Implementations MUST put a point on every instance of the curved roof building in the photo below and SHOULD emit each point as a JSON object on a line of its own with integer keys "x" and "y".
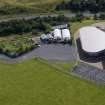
{"x": 92, "y": 39}
{"x": 57, "y": 34}
{"x": 66, "y": 34}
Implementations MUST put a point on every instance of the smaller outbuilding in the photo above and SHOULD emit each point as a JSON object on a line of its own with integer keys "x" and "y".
{"x": 44, "y": 38}
{"x": 66, "y": 34}
{"x": 60, "y": 26}
{"x": 57, "y": 34}
{"x": 92, "y": 40}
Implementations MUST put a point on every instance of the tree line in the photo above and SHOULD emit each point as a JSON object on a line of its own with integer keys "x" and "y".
{"x": 82, "y": 5}
{"x": 38, "y": 24}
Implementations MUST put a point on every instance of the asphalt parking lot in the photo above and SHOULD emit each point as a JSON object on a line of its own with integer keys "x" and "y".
{"x": 87, "y": 72}
{"x": 54, "y": 52}
{"x": 50, "y": 52}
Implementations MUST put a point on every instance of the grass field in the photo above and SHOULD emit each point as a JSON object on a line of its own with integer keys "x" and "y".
{"x": 40, "y": 82}
{"x": 76, "y": 25}
{"x": 33, "y": 82}
{"x": 36, "y": 6}
{"x": 31, "y": 2}
{"x": 14, "y": 8}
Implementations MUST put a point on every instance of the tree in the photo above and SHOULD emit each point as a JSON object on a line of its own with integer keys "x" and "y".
{"x": 79, "y": 17}
{"x": 102, "y": 16}
{"x": 95, "y": 17}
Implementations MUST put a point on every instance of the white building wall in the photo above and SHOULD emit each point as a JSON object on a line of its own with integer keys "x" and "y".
{"x": 66, "y": 34}
{"x": 57, "y": 34}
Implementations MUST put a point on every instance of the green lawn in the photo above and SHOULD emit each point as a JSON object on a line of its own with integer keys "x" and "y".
{"x": 76, "y": 25}
{"x": 35, "y": 6}
{"x": 35, "y": 83}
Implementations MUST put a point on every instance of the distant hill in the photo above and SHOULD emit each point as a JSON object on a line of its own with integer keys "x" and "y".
{"x": 36, "y": 6}
{"x": 31, "y": 2}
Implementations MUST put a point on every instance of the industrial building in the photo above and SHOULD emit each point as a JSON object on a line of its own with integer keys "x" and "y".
{"x": 92, "y": 40}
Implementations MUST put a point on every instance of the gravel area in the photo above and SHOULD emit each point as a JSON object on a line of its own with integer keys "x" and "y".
{"x": 88, "y": 72}
{"x": 49, "y": 52}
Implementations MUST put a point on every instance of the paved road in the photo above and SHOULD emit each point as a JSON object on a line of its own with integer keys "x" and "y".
{"x": 49, "y": 52}
{"x": 46, "y": 15}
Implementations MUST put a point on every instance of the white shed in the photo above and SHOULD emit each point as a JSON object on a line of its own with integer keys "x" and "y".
{"x": 66, "y": 34}
{"x": 57, "y": 34}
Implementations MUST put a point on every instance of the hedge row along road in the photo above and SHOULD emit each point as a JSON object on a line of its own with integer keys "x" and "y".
{"x": 46, "y": 15}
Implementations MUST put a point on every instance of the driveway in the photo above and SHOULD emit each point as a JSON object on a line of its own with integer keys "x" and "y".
{"x": 48, "y": 52}
{"x": 69, "y": 15}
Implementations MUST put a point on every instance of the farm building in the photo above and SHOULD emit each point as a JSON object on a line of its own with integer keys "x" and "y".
{"x": 66, "y": 34}
{"x": 92, "y": 40}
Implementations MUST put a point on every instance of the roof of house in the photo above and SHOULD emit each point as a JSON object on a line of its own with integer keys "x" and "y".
{"x": 92, "y": 39}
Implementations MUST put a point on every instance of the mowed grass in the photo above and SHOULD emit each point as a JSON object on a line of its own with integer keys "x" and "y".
{"x": 40, "y": 5}
{"x": 31, "y": 1}
{"x": 33, "y": 82}
{"x": 75, "y": 26}
{"x": 26, "y": 7}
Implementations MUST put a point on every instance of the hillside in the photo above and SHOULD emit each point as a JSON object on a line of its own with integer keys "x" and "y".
{"x": 41, "y": 4}
{"x": 14, "y": 7}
